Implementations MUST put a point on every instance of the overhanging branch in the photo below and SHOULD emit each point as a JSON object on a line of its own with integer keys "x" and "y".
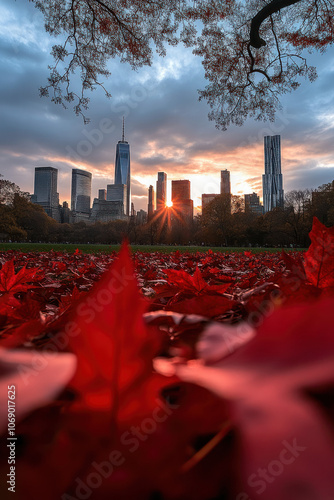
{"x": 255, "y": 40}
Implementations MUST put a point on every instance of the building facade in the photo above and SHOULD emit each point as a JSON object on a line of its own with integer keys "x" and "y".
{"x": 45, "y": 191}
{"x": 123, "y": 169}
{"x": 118, "y": 192}
{"x": 180, "y": 190}
{"x": 272, "y": 180}
{"x": 150, "y": 205}
{"x": 65, "y": 213}
{"x": 106, "y": 211}
{"x": 81, "y": 191}
{"x": 161, "y": 190}
{"x": 183, "y": 206}
{"x": 102, "y": 194}
{"x": 252, "y": 204}
{"x": 225, "y": 182}
{"x": 207, "y": 198}
{"x": 141, "y": 217}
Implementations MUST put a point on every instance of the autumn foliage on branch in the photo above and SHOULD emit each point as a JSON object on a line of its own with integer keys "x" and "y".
{"x": 180, "y": 376}
{"x": 252, "y": 51}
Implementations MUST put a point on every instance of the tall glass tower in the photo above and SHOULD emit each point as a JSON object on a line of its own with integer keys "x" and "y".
{"x": 81, "y": 191}
{"x": 45, "y": 190}
{"x": 161, "y": 190}
{"x": 122, "y": 168}
{"x": 272, "y": 180}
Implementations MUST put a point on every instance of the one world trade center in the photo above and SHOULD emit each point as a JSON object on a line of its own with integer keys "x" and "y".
{"x": 122, "y": 168}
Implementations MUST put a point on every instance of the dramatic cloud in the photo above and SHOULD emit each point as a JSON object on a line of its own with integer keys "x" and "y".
{"x": 166, "y": 126}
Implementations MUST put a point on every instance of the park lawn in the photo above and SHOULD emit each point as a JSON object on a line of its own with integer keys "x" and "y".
{"x": 98, "y": 248}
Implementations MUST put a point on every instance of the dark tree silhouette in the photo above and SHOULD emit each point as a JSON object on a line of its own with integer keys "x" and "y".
{"x": 252, "y": 50}
{"x": 8, "y": 190}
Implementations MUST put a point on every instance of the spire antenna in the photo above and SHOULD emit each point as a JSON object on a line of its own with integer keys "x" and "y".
{"x": 123, "y": 136}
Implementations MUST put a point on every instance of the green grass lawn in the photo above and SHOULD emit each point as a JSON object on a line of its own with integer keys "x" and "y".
{"x": 92, "y": 248}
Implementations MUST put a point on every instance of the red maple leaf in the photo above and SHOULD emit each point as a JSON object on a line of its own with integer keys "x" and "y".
{"x": 113, "y": 347}
{"x": 295, "y": 266}
{"x": 194, "y": 284}
{"x": 192, "y": 294}
{"x": 20, "y": 282}
{"x": 203, "y": 305}
{"x": 280, "y": 385}
{"x": 319, "y": 259}
{"x": 117, "y": 394}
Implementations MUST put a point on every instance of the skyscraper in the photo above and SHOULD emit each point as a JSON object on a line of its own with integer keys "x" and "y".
{"x": 180, "y": 191}
{"x": 150, "y": 207}
{"x": 207, "y": 198}
{"x": 141, "y": 217}
{"x": 122, "y": 168}
{"x": 272, "y": 180}
{"x": 161, "y": 190}
{"x": 65, "y": 213}
{"x": 133, "y": 212}
{"x": 225, "y": 183}
{"x": 45, "y": 191}
{"x": 118, "y": 192}
{"x": 182, "y": 204}
{"x": 81, "y": 191}
{"x": 252, "y": 204}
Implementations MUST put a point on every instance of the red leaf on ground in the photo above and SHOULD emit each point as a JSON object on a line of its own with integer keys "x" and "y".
{"x": 203, "y": 305}
{"x": 20, "y": 282}
{"x": 194, "y": 284}
{"x": 295, "y": 266}
{"x": 319, "y": 259}
{"x": 118, "y": 407}
{"x": 276, "y": 389}
{"x": 113, "y": 346}
{"x": 274, "y": 383}
{"x": 24, "y": 332}
{"x": 184, "y": 281}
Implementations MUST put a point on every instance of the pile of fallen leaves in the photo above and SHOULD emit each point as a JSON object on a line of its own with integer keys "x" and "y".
{"x": 179, "y": 376}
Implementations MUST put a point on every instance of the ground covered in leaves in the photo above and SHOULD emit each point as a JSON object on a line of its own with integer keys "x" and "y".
{"x": 170, "y": 376}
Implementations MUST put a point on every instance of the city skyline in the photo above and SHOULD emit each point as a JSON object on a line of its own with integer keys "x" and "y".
{"x": 169, "y": 128}
{"x": 180, "y": 194}
{"x": 110, "y": 203}
{"x": 45, "y": 192}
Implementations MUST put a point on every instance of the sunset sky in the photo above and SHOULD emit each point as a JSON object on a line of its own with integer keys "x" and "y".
{"x": 166, "y": 126}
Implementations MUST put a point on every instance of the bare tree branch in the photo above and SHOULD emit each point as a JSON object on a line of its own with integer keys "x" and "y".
{"x": 276, "y": 5}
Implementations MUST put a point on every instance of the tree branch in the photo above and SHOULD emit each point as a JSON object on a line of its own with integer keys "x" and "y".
{"x": 276, "y": 5}
{"x": 123, "y": 26}
{"x": 252, "y": 69}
